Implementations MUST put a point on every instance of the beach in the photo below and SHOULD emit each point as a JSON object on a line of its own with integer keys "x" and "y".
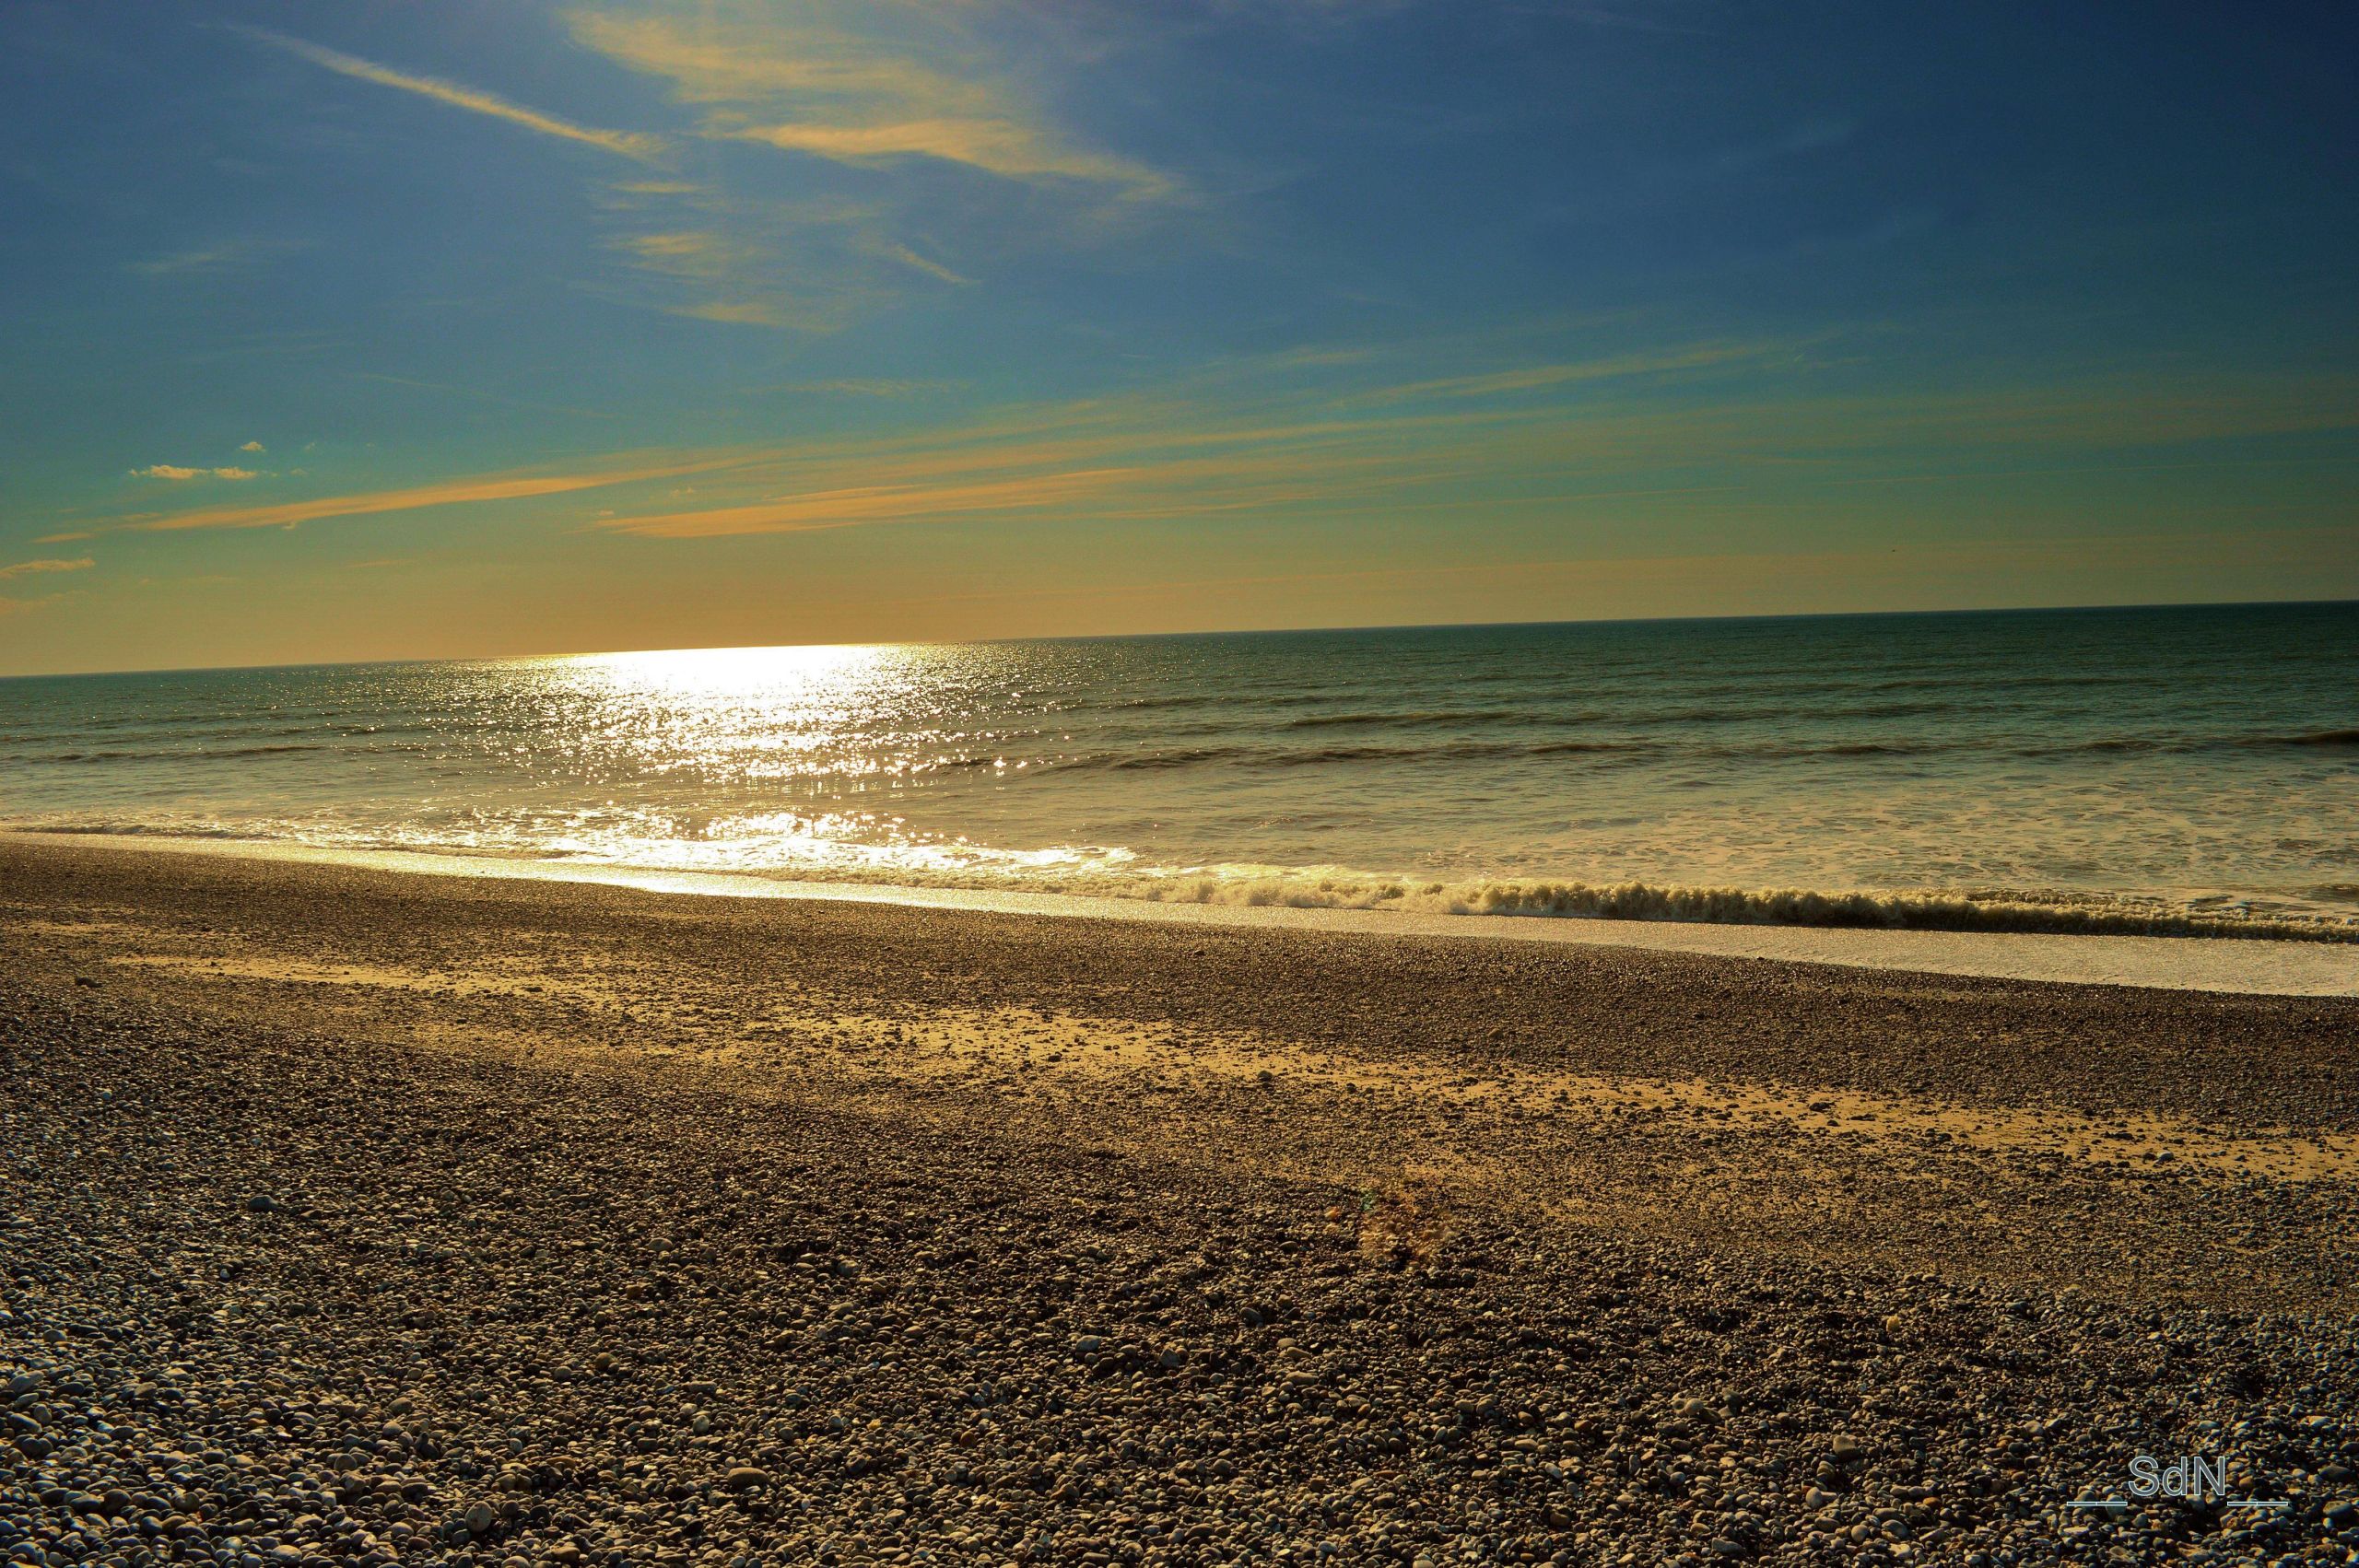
{"x": 1033, "y": 785}
{"x": 373, "y": 1217}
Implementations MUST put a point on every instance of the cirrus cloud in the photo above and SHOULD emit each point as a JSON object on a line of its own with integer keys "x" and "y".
{"x": 952, "y": 116}
{"x": 1006, "y": 148}
{"x": 860, "y": 86}
{"x": 175, "y": 471}
{"x": 628, "y": 144}
{"x": 35, "y": 569}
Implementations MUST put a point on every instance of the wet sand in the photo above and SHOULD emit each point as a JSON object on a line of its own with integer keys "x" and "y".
{"x": 383, "y": 1217}
{"x": 2248, "y": 964}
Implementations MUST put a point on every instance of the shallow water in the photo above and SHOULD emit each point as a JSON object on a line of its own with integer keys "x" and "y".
{"x": 2104, "y": 769}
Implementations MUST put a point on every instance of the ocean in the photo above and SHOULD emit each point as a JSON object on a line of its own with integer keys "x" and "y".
{"x": 2164, "y": 770}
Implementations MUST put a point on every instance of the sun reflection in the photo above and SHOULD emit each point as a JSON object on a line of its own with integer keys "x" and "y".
{"x": 765, "y": 713}
{"x": 743, "y": 758}
{"x": 733, "y": 671}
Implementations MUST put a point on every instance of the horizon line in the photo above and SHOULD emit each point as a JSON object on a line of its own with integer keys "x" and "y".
{"x": 1202, "y": 632}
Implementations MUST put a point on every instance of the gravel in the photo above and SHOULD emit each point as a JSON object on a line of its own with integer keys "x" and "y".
{"x": 315, "y": 1271}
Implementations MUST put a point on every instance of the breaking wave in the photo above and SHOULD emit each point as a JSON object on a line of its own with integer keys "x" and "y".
{"x": 1108, "y": 872}
{"x": 1737, "y": 905}
{"x": 147, "y": 830}
{"x": 1266, "y": 756}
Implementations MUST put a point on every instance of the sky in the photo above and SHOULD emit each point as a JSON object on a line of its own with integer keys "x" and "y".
{"x": 341, "y": 329}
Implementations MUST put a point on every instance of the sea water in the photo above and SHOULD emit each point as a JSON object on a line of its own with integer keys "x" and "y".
{"x": 2118, "y": 769}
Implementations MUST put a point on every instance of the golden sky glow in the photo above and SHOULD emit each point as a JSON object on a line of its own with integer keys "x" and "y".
{"x": 639, "y": 323}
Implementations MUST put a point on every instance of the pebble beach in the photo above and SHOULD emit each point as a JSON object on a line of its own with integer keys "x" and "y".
{"x": 359, "y": 1218}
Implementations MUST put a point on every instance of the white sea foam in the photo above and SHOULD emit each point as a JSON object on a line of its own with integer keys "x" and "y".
{"x": 1737, "y": 905}
{"x": 1103, "y": 873}
{"x": 2267, "y": 967}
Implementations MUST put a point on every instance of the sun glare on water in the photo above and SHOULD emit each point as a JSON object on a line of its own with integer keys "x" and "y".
{"x": 751, "y": 713}
{"x": 780, "y": 759}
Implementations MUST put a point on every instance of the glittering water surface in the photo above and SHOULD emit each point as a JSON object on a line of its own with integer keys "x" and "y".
{"x": 2181, "y": 760}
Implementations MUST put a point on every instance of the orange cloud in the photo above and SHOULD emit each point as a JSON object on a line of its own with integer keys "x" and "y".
{"x": 851, "y": 508}
{"x": 1175, "y": 456}
{"x": 33, "y": 568}
{"x": 864, "y": 86}
{"x": 290, "y": 514}
{"x": 1536, "y": 378}
{"x": 774, "y": 59}
{"x": 1003, "y": 148}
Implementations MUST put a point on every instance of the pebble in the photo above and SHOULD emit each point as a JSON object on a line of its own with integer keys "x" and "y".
{"x": 614, "y": 1312}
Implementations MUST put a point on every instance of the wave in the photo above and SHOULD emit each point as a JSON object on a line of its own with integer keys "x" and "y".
{"x": 2262, "y": 741}
{"x": 224, "y": 754}
{"x": 1283, "y": 756}
{"x": 1624, "y": 718}
{"x": 1438, "y": 718}
{"x": 1737, "y": 905}
{"x": 149, "y": 830}
{"x": 1111, "y": 873}
{"x": 1315, "y": 756}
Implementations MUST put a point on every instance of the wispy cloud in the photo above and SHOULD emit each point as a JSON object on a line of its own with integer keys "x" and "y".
{"x": 781, "y": 264}
{"x": 1540, "y": 377}
{"x": 220, "y": 256}
{"x": 36, "y": 568}
{"x": 10, "y": 606}
{"x": 1163, "y": 455}
{"x": 910, "y": 258}
{"x": 1226, "y": 447}
{"x": 1250, "y": 439}
{"x": 866, "y": 386}
{"x": 741, "y": 312}
{"x": 1004, "y": 147}
{"x": 904, "y": 91}
{"x": 452, "y": 492}
{"x": 815, "y": 511}
{"x": 689, "y": 249}
{"x": 252, "y": 447}
{"x": 17, "y": 606}
{"x": 174, "y": 471}
{"x": 627, "y": 144}
{"x": 205, "y": 259}
{"x": 729, "y": 55}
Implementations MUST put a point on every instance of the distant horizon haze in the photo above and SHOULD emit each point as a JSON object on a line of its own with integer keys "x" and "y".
{"x": 1370, "y": 627}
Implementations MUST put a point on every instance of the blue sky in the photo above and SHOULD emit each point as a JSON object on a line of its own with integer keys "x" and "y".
{"x": 367, "y": 330}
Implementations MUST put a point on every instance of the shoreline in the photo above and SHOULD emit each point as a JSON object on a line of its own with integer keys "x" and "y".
{"x": 2244, "y": 965}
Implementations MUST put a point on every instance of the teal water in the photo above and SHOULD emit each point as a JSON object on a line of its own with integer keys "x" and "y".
{"x": 2098, "y": 769}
